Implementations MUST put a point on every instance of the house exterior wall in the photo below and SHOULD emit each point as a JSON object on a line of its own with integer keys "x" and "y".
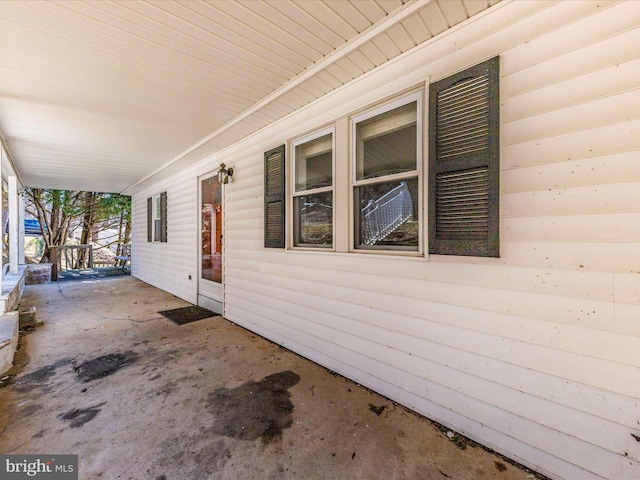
{"x": 168, "y": 265}
{"x": 535, "y": 353}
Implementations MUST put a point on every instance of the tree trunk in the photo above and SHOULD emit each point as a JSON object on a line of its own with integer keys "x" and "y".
{"x": 127, "y": 230}
{"x": 120, "y": 239}
{"x": 88, "y": 223}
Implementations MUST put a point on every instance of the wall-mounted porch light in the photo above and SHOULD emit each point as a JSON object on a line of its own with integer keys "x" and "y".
{"x": 224, "y": 174}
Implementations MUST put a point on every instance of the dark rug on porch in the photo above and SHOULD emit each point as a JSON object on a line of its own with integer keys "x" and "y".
{"x": 183, "y": 315}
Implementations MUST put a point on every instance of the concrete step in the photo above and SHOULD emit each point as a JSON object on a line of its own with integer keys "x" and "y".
{"x": 8, "y": 340}
{"x": 12, "y": 288}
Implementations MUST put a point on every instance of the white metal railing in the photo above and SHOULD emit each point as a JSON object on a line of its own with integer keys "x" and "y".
{"x": 73, "y": 257}
{"x": 383, "y": 216}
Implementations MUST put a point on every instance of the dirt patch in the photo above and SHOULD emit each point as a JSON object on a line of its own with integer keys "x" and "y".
{"x": 377, "y": 410}
{"x": 104, "y": 365}
{"x": 79, "y": 417}
{"x": 255, "y": 409}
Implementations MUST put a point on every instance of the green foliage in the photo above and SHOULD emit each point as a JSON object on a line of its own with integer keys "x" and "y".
{"x": 113, "y": 205}
{"x": 62, "y": 211}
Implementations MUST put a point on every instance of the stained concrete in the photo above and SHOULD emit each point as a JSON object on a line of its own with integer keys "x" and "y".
{"x": 138, "y": 397}
{"x": 8, "y": 340}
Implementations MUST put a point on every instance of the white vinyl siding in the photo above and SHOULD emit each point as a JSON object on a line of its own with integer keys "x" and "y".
{"x": 535, "y": 353}
{"x": 150, "y": 262}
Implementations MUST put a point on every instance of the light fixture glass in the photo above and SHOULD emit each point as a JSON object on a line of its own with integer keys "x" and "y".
{"x": 224, "y": 174}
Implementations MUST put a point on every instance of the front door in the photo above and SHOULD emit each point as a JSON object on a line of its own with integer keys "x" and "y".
{"x": 210, "y": 292}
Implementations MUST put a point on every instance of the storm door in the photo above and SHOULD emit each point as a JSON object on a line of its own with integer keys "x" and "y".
{"x": 210, "y": 291}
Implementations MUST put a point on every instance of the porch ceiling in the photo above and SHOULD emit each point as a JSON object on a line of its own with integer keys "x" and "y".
{"x": 102, "y": 95}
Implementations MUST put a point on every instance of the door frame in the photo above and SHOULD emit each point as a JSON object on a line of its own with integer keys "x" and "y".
{"x": 209, "y": 294}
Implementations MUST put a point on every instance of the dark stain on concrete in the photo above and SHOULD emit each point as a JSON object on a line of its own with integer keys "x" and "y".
{"x": 6, "y": 380}
{"x": 40, "y": 433}
{"x": 104, "y": 365}
{"x": 377, "y": 410}
{"x": 79, "y": 416}
{"x": 39, "y": 378}
{"x": 255, "y": 409}
{"x": 31, "y": 409}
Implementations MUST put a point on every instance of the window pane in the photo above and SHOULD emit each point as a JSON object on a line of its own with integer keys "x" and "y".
{"x": 387, "y": 143}
{"x": 156, "y": 230}
{"x": 387, "y": 215}
{"x": 313, "y": 164}
{"x": 211, "y": 238}
{"x": 314, "y": 219}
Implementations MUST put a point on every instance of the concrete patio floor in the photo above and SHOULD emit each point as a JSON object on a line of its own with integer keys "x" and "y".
{"x": 138, "y": 397}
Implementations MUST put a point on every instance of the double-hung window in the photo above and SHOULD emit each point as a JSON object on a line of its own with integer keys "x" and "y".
{"x": 157, "y": 218}
{"x": 313, "y": 190}
{"x": 387, "y": 176}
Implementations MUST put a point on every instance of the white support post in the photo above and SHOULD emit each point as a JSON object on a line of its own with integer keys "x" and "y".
{"x": 21, "y": 238}
{"x": 13, "y": 224}
{"x": 2, "y": 220}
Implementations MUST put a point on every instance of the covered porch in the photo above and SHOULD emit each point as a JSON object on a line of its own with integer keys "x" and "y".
{"x": 137, "y": 396}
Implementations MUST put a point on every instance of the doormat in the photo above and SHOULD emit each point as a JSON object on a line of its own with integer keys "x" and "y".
{"x": 181, "y": 316}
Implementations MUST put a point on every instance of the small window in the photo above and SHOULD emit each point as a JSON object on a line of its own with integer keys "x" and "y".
{"x": 313, "y": 191}
{"x": 386, "y": 176}
{"x": 157, "y": 218}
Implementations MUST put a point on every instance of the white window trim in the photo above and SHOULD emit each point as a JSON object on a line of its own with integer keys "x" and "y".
{"x": 293, "y": 193}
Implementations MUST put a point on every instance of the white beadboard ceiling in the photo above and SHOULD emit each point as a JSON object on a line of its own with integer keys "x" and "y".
{"x": 101, "y": 95}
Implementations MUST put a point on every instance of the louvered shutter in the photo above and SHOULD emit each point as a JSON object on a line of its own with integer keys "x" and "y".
{"x": 150, "y": 219}
{"x": 464, "y": 162}
{"x": 163, "y": 217}
{"x": 274, "y": 198}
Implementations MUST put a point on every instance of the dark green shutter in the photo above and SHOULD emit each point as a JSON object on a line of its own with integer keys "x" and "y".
{"x": 149, "y": 219}
{"x": 163, "y": 217}
{"x": 274, "y": 198}
{"x": 464, "y": 164}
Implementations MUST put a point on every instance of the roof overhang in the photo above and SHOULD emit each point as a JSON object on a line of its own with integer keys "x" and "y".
{"x": 104, "y": 96}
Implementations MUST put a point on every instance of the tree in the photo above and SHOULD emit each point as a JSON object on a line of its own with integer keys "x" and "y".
{"x": 56, "y": 210}
{"x": 120, "y": 206}
{"x": 107, "y": 211}
{"x": 62, "y": 211}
